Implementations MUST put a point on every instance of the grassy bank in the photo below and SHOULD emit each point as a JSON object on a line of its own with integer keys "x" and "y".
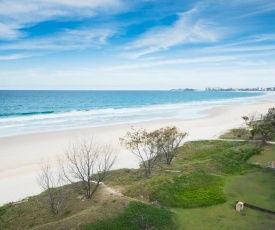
{"x": 254, "y": 188}
{"x": 198, "y": 191}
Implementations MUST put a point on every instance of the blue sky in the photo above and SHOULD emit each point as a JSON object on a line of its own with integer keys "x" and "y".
{"x": 144, "y": 44}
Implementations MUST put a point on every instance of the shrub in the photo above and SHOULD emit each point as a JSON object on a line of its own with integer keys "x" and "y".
{"x": 138, "y": 216}
{"x": 3, "y": 210}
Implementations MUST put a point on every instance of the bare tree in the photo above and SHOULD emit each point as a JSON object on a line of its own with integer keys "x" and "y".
{"x": 52, "y": 182}
{"x": 169, "y": 142}
{"x": 87, "y": 161}
{"x": 144, "y": 145}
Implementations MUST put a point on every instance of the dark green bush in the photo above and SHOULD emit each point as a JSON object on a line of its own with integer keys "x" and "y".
{"x": 138, "y": 216}
{"x": 3, "y": 210}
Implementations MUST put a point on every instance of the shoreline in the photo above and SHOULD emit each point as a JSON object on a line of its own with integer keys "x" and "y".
{"x": 82, "y": 119}
{"x": 21, "y": 155}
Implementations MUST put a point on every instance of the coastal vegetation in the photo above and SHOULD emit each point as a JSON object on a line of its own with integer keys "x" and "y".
{"x": 89, "y": 162}
{"x": 138, "y": 216}
{"x": 52, "y": 183}
{"x": 151, "y": 147}
{"x": 197, "y": 190}
{"x": 85, "y": 162}
{"x": 260, "y": 127}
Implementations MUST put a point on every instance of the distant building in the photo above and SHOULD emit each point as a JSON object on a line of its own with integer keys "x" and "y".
{"x": 240, "y": 89}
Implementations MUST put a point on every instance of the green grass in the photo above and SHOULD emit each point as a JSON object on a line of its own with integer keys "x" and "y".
{"x": 222, "y": 217}
{"x": 200, "y": 187}
{"x": 196, "y": 150}
{"x": 233, "y": 160}
{"x": 254, "y": 188}
{"x": 35, "y": 212}
{"x": 266, "y": 157}
{"x": 138, "y": 216}
{"x": 199, "y": 178}
{"x": 238, "y": 133}
{"x": 189, "y": 191}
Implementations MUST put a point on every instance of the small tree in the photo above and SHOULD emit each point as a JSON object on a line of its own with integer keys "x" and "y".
{"x": 87, "y": 161}
{"x": 52, "y": 182}
{"x": 266, "y": 130}
{"x": 144, "y": 145}
{"x": 264, "y": 125}
{"x": 169, "y": 142}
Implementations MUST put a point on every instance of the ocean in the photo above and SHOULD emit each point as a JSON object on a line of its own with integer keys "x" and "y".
{"x": 31, "y": 111}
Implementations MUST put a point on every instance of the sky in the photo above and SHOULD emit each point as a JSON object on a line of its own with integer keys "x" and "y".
{"x": 139, "y": 44}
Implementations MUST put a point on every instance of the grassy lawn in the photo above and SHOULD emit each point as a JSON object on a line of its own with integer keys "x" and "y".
{"x": 254, "y": 188}
{"x": 264, "y": 158}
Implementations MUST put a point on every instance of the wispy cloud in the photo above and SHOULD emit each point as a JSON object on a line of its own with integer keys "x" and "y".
{"x": 18, "y": 14}
{"x": 180, "y": 61}
{"x": 189, "y": 28}
{"x": 64, "y": 40}
{"x": 10, "y": 32}
{"x": 257, "y": 7}
{"x": 14, "y": 56}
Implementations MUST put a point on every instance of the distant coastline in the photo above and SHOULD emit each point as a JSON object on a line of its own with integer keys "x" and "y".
{"x": 258, "y": 89}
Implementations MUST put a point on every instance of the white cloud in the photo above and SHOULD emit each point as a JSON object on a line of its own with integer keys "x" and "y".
{"x": 189, "y": 28}
{"x": 18, "y": 14}
{"x": 14, "y": 57}
{"x": 241, "y": 49}
{"x": 65, "y": 40}
{"x": 9, "y": 32}
{"x": 12, "y": 9}
{"x": 182, "y": 61}
{"x": 252, "y": 7}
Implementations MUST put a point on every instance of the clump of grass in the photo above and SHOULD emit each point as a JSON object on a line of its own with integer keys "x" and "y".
{"x": 233, "y": 161}
{"x": 238, "y": 133}
{"x": 190, "y": 191}
{"x": 66, "y": 213}
{"x": 122, "y": 177}
{"x": 200, "y": 150}
{"x": 138, "y": 216}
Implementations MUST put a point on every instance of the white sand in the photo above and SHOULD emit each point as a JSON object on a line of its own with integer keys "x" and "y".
{"x": 20, "y": 156}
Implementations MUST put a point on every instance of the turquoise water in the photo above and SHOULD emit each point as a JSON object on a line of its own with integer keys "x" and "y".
{"x": 37, "y": 111}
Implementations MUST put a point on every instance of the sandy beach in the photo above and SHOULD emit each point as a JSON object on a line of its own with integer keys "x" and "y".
{"x": 20, "y": 156}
